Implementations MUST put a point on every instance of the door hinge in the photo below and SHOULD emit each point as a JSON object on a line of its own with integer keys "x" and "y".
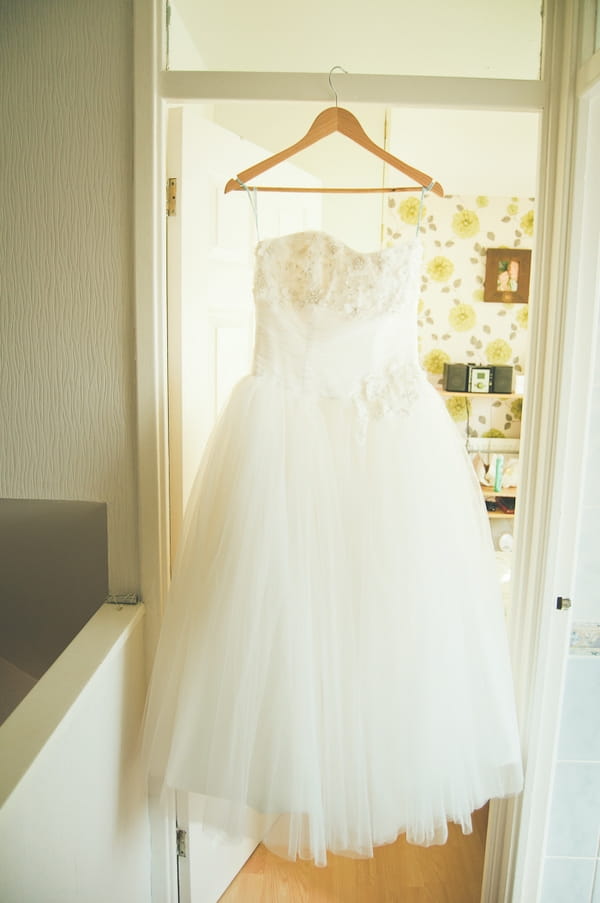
{"x": 181, "y": 843}
{"x": 562, "y": 603}
{"x": 171, "y": 197}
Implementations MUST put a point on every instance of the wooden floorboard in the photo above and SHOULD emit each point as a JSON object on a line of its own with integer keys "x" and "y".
{"x": 397, "y": 873}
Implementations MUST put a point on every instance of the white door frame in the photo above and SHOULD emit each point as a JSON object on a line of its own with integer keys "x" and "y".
{"x": 580, "y": 331}
{"x": 543, "y": 558}
{"x": 545, "y": 483}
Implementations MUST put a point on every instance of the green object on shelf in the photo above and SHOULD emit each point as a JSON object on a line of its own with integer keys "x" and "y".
{"x": 499, "y": 473}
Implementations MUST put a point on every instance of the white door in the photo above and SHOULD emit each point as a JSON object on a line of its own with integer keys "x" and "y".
{"x": 210, "y": 244}
{"x": 540, "y": 878}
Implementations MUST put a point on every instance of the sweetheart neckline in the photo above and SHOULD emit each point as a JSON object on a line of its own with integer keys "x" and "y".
{"x": 415, "y": 241}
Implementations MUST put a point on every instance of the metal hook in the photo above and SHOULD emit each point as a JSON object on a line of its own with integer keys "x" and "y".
{"x": 333, "y": 68}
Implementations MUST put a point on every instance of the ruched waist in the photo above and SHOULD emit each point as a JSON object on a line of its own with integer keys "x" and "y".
{"x": 392, "y": 379}
{"x": 314, "y": 352}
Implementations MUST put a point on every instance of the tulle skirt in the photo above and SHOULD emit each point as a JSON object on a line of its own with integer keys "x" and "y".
{"x": 333, "y": 653}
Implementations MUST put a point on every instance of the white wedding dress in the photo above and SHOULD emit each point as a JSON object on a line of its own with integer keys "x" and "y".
{"x": 333, "y": 651}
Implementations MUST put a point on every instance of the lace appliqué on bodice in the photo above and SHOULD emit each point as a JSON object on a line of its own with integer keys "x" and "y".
{"x": 313, "y": 268}
{"x": 311, "y": 290}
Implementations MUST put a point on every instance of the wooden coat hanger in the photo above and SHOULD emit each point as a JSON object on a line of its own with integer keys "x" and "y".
{"x": 333, "y": 119}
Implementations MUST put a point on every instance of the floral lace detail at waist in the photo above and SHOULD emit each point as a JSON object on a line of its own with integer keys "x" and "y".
{"x": 394, "y": 391}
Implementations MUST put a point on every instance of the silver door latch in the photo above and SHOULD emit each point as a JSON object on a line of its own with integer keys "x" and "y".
{"x": 562, "y": 603}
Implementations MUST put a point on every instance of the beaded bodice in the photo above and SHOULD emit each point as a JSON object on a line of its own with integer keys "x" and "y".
{"x": 313, "y": 268}
{"x": 339, "y": 323}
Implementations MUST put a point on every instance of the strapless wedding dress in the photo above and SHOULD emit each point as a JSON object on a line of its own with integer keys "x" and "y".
{"x": 333, "y": 652}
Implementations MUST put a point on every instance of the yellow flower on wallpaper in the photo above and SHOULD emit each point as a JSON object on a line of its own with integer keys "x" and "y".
{"x": 482, "y": 200}
{"x": 440, "y": 268}
{"x": 493, "y": 434}
{"x": 522, "y": 317}
{"x": 465, "y": 223}
{"x": 516, "y": 408}
{"x": 458, "y": 408}
{"x": 462, "y": 317}
{"x": 512, "y": 209}
{"x": 498, "y": 352}
{"x": 478, "y": 294}
{"x": 420, "y": 306}
{"x": 527, "y": 222}
{"x": 408, "y": 211}
{"x": 435, "y": 360}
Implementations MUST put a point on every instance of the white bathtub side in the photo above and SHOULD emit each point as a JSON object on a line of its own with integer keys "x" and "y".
{"x": 73, "y": 822}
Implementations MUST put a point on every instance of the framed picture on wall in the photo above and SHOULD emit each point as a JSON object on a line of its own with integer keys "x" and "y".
{"x": 507, "y": 275}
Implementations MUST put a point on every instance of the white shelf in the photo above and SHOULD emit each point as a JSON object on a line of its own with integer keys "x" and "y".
{"x": 490, "y": 493}
{"x": 480, "y": 394}
{"x": 503, "y": 446}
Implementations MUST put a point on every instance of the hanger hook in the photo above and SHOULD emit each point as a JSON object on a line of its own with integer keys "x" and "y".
{"x": 333, "y": 68}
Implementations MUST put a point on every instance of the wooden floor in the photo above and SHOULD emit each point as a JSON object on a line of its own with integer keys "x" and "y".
{"x": 398, "y": 873}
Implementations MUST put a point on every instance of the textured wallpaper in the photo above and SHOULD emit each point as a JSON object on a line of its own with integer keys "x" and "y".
{"x": 455, "y": 324}
{"x": 66, "y": 307}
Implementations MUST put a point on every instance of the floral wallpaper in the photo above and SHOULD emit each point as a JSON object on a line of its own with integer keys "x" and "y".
{"x": 455, "y": 324}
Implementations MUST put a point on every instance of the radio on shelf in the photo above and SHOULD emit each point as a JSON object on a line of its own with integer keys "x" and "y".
{"x": 479, "y": 378}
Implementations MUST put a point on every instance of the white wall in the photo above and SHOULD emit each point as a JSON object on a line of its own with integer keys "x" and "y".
{"x": 73, "y": 820}
{"x": 471, "y": 152}
{"x": 66, "y": 326}
{"x": 587, "y": 581}
{"x": 463, "y": 38}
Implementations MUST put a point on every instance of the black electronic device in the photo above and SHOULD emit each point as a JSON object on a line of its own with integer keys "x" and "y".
{"x": 456, "y": 377}
{"x": 502, "y": 380}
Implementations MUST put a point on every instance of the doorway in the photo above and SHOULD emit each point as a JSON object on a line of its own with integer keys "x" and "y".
{"x": 211, "y": 329}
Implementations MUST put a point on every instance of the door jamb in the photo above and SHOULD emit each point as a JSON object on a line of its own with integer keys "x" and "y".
{"x": 573, "y": 402}
{"x": 151, "y": 388}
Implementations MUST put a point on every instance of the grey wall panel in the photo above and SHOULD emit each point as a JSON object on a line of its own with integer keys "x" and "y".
{"x": 53, "y": 577}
